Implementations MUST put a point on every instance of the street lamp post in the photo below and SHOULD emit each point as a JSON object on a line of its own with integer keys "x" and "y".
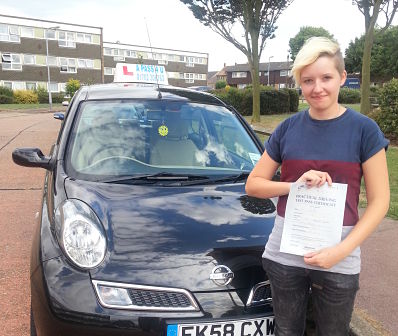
{"x": 269, "y": 61}
{"x": 50, "y": 101}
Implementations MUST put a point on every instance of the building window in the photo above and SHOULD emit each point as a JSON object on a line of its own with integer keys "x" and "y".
{"x": 118, "y": 58}
{"x": 18, "y": 86}
{"x": 66, "y": 39}
{"x": 163, "y": 62}
{"x": 182, "y": 58}
{"x": 190, "y": 62}
{"x": 85, "y": 63}
{"x": 54, "y": 87}
{"x": 29, "y": 59}
{"x": 27, "y": 32}
{"x": 50, "y": 34}
{"x": 30, "y": 86}
{"x": 189, "y": 78}
{"x": 108, "y": 51}
{"x": 52, "y": 61}
{"x": 84, "y": 38}
{"x": 62, "y": 87}
{"x": 266, "y": 73}
{"x": 283, "y": 73}
{"x": 68, "y": 65}
{"x": 131, "y": 53}
{"x": 9, "y": 33}
{"x": 11, "y": 62}
{"x": 109, "y": 71}
{"x": 241, "y": 86}
{"x": 8, "y": 85}
{"x": 239, "y": 74}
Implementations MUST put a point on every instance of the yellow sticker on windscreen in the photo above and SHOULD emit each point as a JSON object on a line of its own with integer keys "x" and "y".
{"x": 163, "y": 130}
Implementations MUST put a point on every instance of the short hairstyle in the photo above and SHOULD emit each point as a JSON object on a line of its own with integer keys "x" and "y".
{"x": 314, "y": 48}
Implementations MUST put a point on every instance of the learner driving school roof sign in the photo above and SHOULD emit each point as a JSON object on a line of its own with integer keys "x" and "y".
{"x": 140, "y": 73}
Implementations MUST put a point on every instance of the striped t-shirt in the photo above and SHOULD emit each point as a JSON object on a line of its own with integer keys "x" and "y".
{"x": 337, "y": 146}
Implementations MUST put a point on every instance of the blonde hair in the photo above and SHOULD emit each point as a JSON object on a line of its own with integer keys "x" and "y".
{"x": 314, "y": 48}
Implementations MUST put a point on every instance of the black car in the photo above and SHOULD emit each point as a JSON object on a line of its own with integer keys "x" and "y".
{"x": 145, "y": 227}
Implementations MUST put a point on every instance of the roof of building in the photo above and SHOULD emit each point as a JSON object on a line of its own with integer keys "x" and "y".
{"x": 262, "y": 66}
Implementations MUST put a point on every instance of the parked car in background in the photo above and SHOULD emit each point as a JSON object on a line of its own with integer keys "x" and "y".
{"x": 145, "y": 227}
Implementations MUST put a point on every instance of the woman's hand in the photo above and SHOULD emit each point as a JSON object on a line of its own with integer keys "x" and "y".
{"x": 316, "y": 178}
{"x": 325, "y": 258}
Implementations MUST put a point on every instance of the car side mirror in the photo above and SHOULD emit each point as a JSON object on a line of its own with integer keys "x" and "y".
{"x": 59, "y": 116}
{"x": 31, "y": 157}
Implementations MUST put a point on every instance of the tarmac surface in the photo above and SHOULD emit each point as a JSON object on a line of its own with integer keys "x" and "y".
{"x": 376, "y": 307}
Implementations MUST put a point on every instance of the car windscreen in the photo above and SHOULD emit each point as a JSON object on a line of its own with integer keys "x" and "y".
{"x": 136, "y": 137}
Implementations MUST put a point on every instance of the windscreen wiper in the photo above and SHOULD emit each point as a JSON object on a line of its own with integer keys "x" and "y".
{"x": 229, "y": 178}
{"x": 162, "y": 176}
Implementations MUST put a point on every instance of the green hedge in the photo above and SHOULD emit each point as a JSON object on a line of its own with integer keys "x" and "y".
{"x": 388, "y": 116}
{"x": 271, "y": 101}
{"x": 6, "y": 99}
{"x": 349, "y": 96}
{"x": 5, "y": 91}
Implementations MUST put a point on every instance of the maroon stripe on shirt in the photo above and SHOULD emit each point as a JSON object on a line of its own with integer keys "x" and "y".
{"x": 340, "y": 172}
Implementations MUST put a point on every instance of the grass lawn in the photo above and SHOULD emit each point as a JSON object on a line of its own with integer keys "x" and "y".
{"x": 27, "y": 106}
{"x": 269, "y": 122}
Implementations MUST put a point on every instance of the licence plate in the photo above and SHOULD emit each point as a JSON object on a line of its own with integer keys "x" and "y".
{"x": 252, "y": 327}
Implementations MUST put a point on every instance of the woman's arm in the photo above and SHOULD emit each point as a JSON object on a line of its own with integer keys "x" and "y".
{"x": 378, "y": 195}
{"x": 259, "y": 183}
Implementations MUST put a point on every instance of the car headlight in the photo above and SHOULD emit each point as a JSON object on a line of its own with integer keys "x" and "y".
{"x": 80, "y": 233}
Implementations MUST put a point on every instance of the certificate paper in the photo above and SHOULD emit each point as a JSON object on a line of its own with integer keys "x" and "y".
{"x": 313, "y": 218}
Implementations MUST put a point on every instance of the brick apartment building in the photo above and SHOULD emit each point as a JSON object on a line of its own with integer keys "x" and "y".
{"x": 79, "y": 52}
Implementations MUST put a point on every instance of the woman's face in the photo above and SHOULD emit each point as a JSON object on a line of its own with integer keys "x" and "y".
{"x": 320, "y": 83}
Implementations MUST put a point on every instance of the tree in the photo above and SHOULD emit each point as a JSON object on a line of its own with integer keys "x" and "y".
{"x": 383, "y": 63}
{"x": 257, "y": 18}
{"x": 72, "y": 86}
{"x": 303, "y": 35}
{"x": 371, "y": 10}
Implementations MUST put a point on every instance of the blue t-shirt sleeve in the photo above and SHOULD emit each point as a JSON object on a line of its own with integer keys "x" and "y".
{"x": 373, "y": 140}
{"x": 273, "y": 144}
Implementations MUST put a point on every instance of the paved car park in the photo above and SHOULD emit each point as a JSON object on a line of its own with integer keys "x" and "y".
{"x": 20, "y": 192}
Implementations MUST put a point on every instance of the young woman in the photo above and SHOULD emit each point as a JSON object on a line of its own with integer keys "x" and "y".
{"x": 326, "y": 143}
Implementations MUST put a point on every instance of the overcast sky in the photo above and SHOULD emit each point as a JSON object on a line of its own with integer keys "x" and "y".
{"x": 172, "y": 25}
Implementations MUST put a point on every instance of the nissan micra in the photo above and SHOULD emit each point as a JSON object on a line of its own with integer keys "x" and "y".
{"x": 145, "y": 227}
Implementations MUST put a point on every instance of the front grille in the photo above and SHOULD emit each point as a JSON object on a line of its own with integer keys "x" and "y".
{"x": 148, "y": 298}
{"x": 142, "y": 297}
{"x": 260, "y": 294}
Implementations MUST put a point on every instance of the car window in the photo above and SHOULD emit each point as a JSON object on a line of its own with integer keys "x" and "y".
{"x": 118, "y": 138}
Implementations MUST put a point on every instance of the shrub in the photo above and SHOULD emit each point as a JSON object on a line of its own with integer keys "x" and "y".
{"x": 274, "y": 101}
{"x": 6, "y": 99}
{"x": 25, "y": 97}
{"x": 388, "y": 116}
{"x": 221, "y": 84}
{"x": 42, "y": 95}
{"x": 271, "y": 100}
{"x": 5, "y": 91}
{"x": 293, "y": 99}
{"x": 57, "y": 97}
{"x": 72, "y": 86}
{"x": 349, "y": 96}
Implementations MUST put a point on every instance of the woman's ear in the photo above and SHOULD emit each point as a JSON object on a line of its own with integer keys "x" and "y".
{"x": 343, "y": 78}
